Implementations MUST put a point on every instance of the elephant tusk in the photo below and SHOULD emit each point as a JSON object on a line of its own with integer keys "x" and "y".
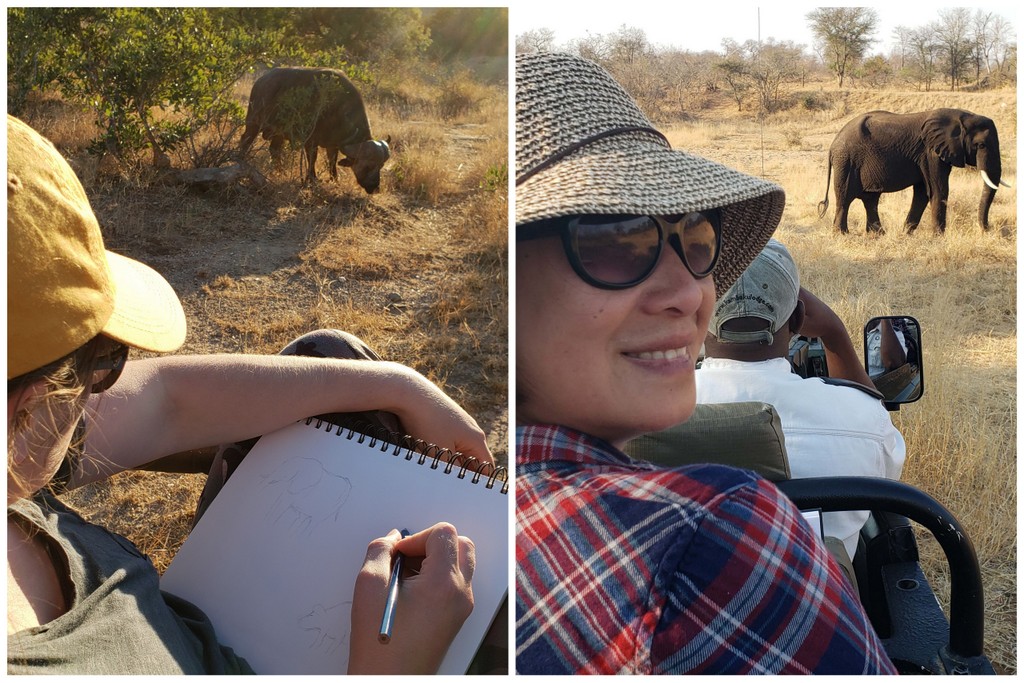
{"x": 988, "y": 181}
{"x": 1005, "y": 184}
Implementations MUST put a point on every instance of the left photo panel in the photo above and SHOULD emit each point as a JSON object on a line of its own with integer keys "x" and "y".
{"x": 257, "y": 340}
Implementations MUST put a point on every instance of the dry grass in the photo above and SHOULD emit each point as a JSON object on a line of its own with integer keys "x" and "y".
{"x": 419, "y": 271}
{"x": 961, "y": 437}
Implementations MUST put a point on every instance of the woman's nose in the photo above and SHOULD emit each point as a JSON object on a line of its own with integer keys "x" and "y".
{"x": 673, "y": 287}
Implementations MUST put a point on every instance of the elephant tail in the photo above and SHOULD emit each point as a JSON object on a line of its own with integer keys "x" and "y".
{"x": 823, "y": 205}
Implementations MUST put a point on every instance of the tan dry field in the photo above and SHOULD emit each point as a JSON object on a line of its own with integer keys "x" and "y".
{"x": 961, "y": 436}
{"x": 418, "y": 270}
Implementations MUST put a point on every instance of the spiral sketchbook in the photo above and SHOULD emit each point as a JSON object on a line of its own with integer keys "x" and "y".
{"x": 274, "y": 559}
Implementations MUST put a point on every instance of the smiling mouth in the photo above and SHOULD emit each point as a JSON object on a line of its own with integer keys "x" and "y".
{"x": 670, "y": 354}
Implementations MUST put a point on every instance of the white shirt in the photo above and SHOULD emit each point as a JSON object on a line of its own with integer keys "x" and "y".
{"x": 829, "y": 430}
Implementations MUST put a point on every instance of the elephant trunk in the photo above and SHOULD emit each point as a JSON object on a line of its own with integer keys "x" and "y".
{"x": 988, "y": 194}
{"x": 990, "y": 168}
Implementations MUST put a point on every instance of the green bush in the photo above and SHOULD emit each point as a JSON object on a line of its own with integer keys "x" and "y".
{"x": 151, "y": 75}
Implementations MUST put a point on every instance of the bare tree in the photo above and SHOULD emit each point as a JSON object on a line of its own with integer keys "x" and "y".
{"x": 993, "y": 39}
{"x": 636, "y": 65}
{"x": 535, "y": 40}
{"x": 593, "y": 46}
{"x": 735, "y": 71}
{"x": 981, "y": 26}
{"x": 629, "y": 45}
{"x": 1004, "y": 48}
{"x": 843, "y": 35}
{"x": 773, "y": 65}
{"x": 689, "y": 79}
{"x": 955, "y": 43}
{"x": 924, "y": 54}
{"x": 902, "y": 47}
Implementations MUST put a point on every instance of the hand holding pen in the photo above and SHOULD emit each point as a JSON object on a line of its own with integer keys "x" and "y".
{"x": 387, "y": 621}
{"x": 434, "y": 598}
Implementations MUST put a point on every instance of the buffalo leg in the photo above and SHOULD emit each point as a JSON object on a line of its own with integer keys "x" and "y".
{"x": 276, "y": 145}
{"x": 247, "y": 139}
{"x": 311, "y": 153}
{"x": 332, "y": 162}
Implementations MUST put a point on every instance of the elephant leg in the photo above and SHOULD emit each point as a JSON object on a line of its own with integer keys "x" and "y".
{"x": 939, "y": 214}
{"x": 839, "y": 223}
{"x": 874, "y": 223}
{"x": 844, "y": 191}
{"x": 939, "y": 200}
{"x": 917, "y": 206}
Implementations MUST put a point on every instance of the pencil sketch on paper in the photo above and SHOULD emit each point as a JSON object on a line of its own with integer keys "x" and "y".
{"x": 325, "y": 627}
{"x": 307, "y": 494}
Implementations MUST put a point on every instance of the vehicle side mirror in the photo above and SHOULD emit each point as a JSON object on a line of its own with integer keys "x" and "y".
{"x": 893, "y": 358}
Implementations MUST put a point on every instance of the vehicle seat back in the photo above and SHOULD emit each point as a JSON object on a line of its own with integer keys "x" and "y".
{"x": 745, "y": 434}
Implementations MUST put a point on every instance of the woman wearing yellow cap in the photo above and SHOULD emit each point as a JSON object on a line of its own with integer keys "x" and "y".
{"x": 83, "y": 600}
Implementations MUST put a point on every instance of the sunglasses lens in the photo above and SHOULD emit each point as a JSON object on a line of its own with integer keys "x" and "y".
{"x": 616, "y": 252}
{"x": 700, "y": 241}
{"x": 108, "y": 368}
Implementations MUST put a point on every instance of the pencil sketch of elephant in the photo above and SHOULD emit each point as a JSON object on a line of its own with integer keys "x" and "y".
{"x": 307, "y": 494}
{"x": 884, "y": 152}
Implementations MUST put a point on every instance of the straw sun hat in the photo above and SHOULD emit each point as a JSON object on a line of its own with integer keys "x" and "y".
{"x": 584, "y": 147}
{"x": 63, "y": 286}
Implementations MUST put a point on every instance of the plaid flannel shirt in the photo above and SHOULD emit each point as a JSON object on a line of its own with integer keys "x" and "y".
{"x": 626, "y": 567}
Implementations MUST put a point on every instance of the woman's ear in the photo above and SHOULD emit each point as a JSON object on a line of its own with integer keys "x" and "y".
{"x": 20, "y": 404}
{"x": 22, "y": 401}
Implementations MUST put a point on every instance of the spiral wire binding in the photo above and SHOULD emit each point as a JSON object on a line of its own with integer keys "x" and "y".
{"x": 386, "y": 440}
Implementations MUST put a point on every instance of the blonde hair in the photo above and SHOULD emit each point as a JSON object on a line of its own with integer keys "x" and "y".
{"x": 42, "y": 417}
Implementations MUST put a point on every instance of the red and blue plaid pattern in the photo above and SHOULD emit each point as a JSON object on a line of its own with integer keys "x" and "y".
{"x": 626, "y": 567}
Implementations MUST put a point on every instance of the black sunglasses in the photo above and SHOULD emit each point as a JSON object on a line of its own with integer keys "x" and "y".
{"x": 617, "y": 252}
{"x": 109, "y": 366}
{"x": 110, "y": 362}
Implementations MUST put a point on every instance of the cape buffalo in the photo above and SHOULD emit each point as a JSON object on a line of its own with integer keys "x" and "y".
{"x": 318, "y": 107}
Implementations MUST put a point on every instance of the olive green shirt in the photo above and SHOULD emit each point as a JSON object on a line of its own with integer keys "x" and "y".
{"x": 118, "y": 621}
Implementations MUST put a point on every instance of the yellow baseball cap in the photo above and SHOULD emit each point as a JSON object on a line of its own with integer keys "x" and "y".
{"x": 63, "y": 286}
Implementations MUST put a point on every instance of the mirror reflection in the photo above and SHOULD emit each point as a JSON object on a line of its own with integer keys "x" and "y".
{"x": 892, "y": 349}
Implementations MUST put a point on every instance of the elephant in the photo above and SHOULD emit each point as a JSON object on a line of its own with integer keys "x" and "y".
{"x": 884, "y": 152}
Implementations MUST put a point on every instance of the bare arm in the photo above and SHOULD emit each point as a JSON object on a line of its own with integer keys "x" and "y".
{"x": 893, "y": 353}
{"x": 822, "y": 322}
{"x": 171, "y": 404}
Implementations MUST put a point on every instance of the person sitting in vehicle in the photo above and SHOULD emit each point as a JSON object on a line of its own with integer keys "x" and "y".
{"x": 624, "y": 567}
{"x": 831, "y": 427}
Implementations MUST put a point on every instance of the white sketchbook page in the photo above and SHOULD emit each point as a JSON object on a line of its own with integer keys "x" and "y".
{"x": 274, "y": 560}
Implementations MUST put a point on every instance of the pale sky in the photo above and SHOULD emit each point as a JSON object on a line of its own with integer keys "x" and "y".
{"x": 702, "y": 25}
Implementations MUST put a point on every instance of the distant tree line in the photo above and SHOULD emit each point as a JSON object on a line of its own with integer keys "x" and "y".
{"x": 963, "y": 48}
{"x": 132, "y": 65}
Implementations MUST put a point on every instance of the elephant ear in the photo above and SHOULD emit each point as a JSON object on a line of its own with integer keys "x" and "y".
{"x": 944, "y": 135}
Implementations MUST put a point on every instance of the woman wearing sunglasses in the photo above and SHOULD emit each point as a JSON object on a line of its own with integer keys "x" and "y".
{"x": 624, "y": 567}
{"x": 83, "y": 600}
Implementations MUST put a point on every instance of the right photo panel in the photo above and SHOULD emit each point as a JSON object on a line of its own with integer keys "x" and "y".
{"x": 765, "y": 341}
